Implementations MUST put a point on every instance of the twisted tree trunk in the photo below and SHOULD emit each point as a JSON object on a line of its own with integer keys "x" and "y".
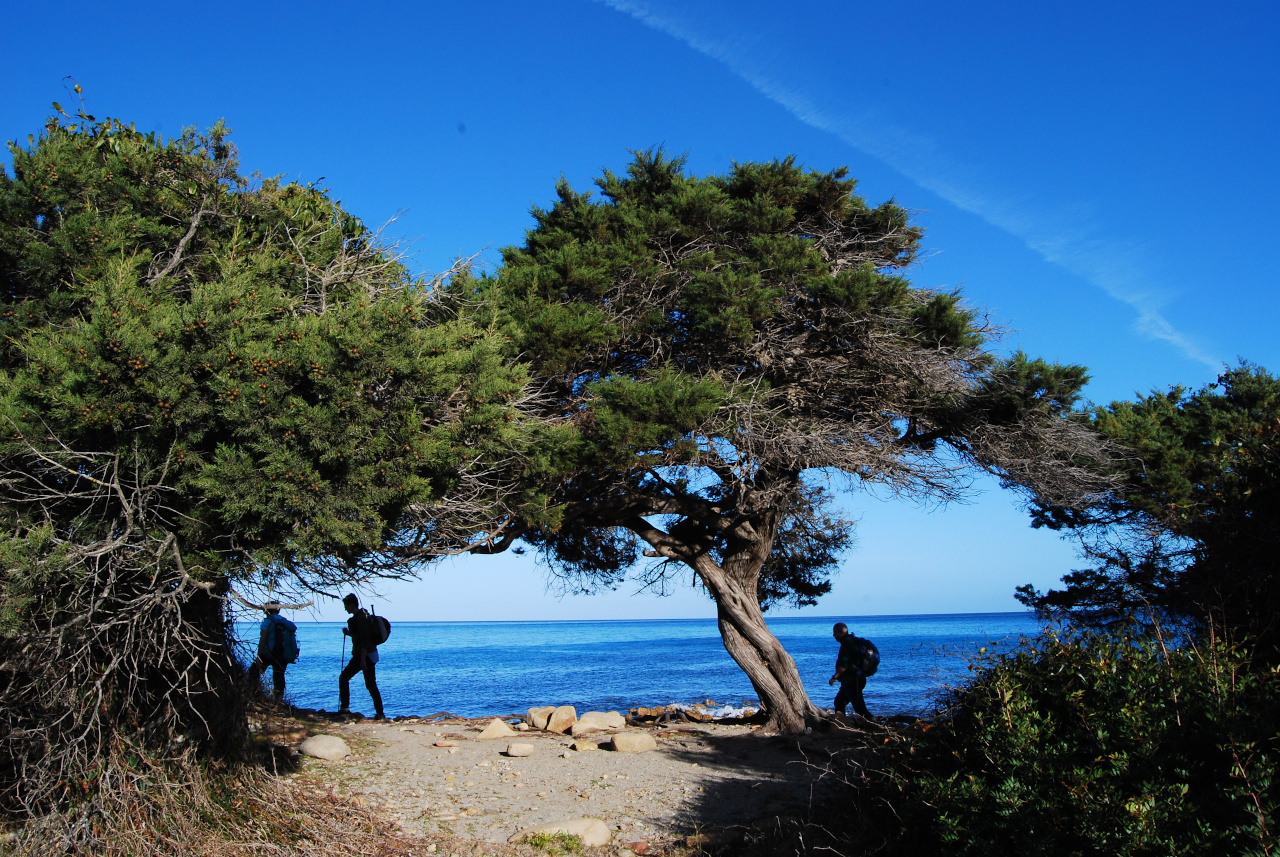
{"x": 772, "y": 671}
{"x": 733, "y": 583}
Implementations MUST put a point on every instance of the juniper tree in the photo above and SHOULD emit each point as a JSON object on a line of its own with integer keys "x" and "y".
{"x": 711, "y": 355}
{"x": 202, "y": 383}
{"x": 1193, "y": 532}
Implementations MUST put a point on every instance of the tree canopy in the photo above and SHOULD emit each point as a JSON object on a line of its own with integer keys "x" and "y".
{"x": 253, "y": 351}
{"x": 1194, "y": 531}
{"x": 708, "y": 353}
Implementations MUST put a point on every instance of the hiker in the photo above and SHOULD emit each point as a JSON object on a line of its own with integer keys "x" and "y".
{"x": 277, "y": 648}
{"x": 364, "y": 656}
{"x": 852, "y": 669}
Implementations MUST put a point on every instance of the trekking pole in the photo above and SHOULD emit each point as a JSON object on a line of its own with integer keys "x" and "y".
{"x": 344, "y": 651}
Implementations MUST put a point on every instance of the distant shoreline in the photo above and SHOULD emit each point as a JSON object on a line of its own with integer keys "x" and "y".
{"x": 834, "y": 617}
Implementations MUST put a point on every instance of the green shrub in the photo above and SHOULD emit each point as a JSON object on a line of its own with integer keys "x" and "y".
{"x": 556, "y": 843}
{"x": 1081, "y": 743}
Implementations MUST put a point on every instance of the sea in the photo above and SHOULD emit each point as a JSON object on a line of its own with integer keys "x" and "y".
{"x": 476, "y": 669}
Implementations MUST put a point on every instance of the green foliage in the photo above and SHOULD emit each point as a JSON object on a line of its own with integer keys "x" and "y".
{"x": 1018, "y": 384}
{"x": 632, "y": 418}
{"x": 1193, "y": 530}
{"x": 32, "y": 568}
{"x": 713, "y": 260}
{"x": 250, "y": 350}
{"x": 1087, "y": 744}
{"x": 556, "y": 843}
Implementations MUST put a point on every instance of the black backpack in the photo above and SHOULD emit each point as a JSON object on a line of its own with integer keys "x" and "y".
{"x": 868, "y": 656}
{"x": 379, "y": 627}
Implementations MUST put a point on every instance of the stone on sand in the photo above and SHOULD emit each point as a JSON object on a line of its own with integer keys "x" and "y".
{"x": 519, "y": 749}
{"x": 634, "y": 742}
{"x": 328, "y": 747}
{"x": 497, "y": 728}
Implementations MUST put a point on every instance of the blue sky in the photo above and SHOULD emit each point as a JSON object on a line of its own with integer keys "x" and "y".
{"x": 1102, "y": 177}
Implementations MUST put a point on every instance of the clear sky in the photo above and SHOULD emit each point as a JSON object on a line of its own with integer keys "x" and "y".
{"x": 1101, "y": 176}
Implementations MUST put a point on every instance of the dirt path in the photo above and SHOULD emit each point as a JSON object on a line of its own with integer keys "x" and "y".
{"x": 704, "y": 779}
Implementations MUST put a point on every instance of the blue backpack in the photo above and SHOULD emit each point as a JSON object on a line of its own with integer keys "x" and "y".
{"x": 281, "y": 638}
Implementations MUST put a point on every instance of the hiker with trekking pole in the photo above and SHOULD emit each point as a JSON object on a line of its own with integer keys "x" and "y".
{"x": 366, "y": 633}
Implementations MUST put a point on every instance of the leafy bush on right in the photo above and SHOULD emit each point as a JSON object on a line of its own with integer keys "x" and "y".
{"x": 1084, "y": 743}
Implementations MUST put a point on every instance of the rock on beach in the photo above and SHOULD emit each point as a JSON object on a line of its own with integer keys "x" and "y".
{"x": 519, "y": 749}
{"x": 538, "y": 717}
{"x": 328, "y": 747}
{"x": 634, "y": 742}
{"x": 598, "y": 721}
{"x": 562, "y": 719}
{"x": 497, "y": 728}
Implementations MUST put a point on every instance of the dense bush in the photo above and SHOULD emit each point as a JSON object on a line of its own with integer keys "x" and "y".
{"x": 1080, "y": 743}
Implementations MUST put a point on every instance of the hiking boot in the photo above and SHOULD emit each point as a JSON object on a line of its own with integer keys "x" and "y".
{"x": 379, "y": 716}
{"x": 344, "y": 712}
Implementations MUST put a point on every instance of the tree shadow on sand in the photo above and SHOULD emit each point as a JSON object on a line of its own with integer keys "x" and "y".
{"x": 749, "y": 793}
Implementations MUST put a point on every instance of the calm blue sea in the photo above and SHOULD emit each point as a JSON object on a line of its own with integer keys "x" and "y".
{"x": 474, "y": 669}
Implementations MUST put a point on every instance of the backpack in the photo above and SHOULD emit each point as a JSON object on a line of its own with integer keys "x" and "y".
{"x": 868, "y": 656}
{"x": 379, "y": 628}
{"x": 282, "y": 640}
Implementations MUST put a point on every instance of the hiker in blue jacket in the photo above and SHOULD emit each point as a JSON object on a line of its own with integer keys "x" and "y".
{"x": 848, "y": 673}
{"x": 277, "y": 648}
{"x": 364, "y": 657}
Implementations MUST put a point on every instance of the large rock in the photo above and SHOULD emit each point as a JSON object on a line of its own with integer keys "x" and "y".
{"x": 562, "y": 719}
{"x": 329, "y": 747}
{"x": 634, "y": 742}
{"x": 592, "y": 831}
{"x": 584, "y": 727}
{"x": 497, "y": 728}
{"x": 519, "y": 749}
{"x": 596, "y": 721}
{"x": 537, "y": 717}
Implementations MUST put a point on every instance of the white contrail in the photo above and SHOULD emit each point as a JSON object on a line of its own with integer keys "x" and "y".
{"x": 1106, "y": 263}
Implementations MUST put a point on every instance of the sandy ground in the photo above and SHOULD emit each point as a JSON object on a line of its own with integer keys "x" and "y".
{"x": 702, "y": 779}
